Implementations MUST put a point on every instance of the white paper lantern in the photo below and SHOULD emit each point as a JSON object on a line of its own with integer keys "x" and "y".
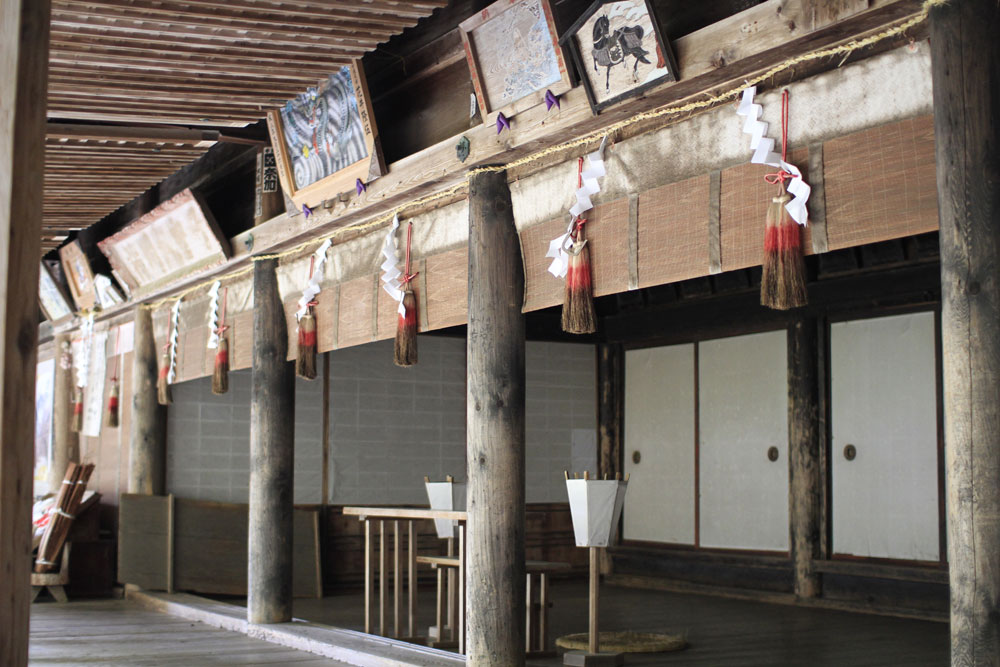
{"x": 596, "y": 505}
{"x": 446, "y": 496}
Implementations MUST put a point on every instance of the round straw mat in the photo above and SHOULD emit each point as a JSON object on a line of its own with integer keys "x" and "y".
{"x": 625, "y": 642}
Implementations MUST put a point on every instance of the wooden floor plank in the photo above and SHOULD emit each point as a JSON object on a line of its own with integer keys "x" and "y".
{"x": 118, "y": 633}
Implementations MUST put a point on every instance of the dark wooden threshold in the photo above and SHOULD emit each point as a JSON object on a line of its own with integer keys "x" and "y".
{"x": 771, "y": 597}
{"x": 930, "y": 575}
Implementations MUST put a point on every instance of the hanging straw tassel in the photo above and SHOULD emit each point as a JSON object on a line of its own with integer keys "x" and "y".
{"x": 163, "y": 394}
{"x": 578, "y": 316}
{"x": 113, "y": 403}
{"x": 115, "y": 391}
{"x": 77, "y": 424}
{"x": 220, "y": 374}
{"x": 305, "y": 362}
{"x": 783, "y": 282}
{"x": 305, "y": 359}
{"x": 405, "y": 349}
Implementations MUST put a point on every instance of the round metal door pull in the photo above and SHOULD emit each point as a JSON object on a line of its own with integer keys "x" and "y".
{"x": 636, "y": 456}
{"x": 772, "y": 453}
{"x": 850, "y": 451}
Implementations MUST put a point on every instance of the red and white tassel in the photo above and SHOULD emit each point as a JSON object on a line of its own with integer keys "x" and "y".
{"x": 305, "y": 362}
{"x": 220, "y": 372}
{"x": 783, "y": 281}
{"x": 578, "y": 315}
{"x": 113, "y": 395}
{"x": 77, "y": 424}
{"x": 405, "y": 348}
{"x": 163, "y": 393}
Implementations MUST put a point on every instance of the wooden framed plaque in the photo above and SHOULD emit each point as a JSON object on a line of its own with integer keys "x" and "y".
{"x": 176, "y": 239}
{"x": 619, "y": 51}
{"x": 514, "y": 56}
{"x": 54, "y": 303}
{"x": 79, "y": 277}
{"x": 325, "y": 139}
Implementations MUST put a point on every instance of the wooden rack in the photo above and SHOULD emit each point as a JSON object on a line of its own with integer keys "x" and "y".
{"x": 395, "y": 514}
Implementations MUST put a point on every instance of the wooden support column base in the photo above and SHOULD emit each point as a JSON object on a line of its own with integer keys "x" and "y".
{"x": 583, "y": 659}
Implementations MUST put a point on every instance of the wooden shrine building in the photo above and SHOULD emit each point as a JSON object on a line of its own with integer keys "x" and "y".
{"x": 220, "y": 222}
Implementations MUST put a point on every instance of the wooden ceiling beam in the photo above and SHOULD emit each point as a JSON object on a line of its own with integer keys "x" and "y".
{"x": 199, "y": 138}
{"x": 165, "y": 94}
{"x": 191, "y": 66}
{"x": 146, "y": 41}
{"x": 131, "y": 117}
{"x": 194, "y": 46}
{"x": 376, "y": 9}
{"x": 88, "y": 23}
{"x": 194, "y": 59}
{"x": 275, "y": 78}
{"x": 219, "y": 12}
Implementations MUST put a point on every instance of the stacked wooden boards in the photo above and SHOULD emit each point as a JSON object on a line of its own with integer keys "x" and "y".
{"x": 167, "y": 543}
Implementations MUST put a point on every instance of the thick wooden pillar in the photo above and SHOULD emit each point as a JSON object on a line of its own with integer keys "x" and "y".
{"x": 147, "y": 467}
{"x": 495, "y": 583}
{"x": 610, "y": 407}
{"x": 65, "y": 442}
{"x": 24, "y": 41}
{"x": 610, "y": 418}
{"x": 272, "y": 452}
{"x": 805, "y": 481}
{"x": 965, "y": 65}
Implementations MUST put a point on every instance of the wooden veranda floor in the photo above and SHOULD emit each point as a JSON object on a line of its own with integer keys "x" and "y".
{"x": 118, "y": 633}
{"x": 721, "y": 631}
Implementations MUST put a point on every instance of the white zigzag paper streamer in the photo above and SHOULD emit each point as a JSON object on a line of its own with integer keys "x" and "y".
{"x": 763, "y": 153}
{"x": 590, "y": 186}
{"x": 175, "y": 320}
{"x": 390, "y": 267}
{"x": 312, "y": 287}
{"x": 82, "y": 361}
{"x": 213, "y": 315}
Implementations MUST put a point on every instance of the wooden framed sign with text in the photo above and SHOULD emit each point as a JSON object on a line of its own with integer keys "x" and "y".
{"x": 178, "y": 238}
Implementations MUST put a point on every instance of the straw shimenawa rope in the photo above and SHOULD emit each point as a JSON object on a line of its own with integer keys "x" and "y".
{"x": 697, "y": 105}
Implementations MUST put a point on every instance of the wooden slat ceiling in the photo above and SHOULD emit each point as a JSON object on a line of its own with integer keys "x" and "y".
{"x": 190, "y": 63}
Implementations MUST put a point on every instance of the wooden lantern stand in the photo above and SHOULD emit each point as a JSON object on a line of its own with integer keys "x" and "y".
{"x": 593, "y": 657}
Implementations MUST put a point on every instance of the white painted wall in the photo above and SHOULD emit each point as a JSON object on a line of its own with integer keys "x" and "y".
{"x": 743, "y": 411}
{"x": 659, "y": 424}
{"x": 390, "y": 426}
{"x": 884, "y": 402}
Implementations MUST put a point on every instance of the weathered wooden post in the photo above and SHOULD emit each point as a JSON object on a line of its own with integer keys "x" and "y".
{"x": 65, "y": 442}
{"x": 495, "y": 428}
{"x": 272, "y": 431}
{"x": 24, "y": 43}
{"x": 965, "y": 65}
{"x": 148, "y": 432}
{"x": 805, "y": 482}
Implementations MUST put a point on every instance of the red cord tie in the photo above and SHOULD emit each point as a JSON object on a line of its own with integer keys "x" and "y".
{"x": 221, "y": 329}
{"x": 779, "y": 177}
{"x": 580, "y": 222}
{"x": 407, "y": 276}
